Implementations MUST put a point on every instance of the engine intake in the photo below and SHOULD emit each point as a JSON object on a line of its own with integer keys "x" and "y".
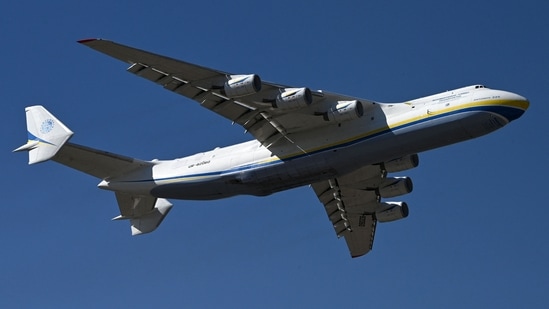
{"x": 393, "y": 212}
{"x": 395, "y": 186}
{"x": 242, "y": 85}
{"x": 345, "y": 111}
{"x": 293, "y": 98}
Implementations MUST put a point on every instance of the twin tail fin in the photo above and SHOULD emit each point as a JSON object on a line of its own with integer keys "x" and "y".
{"x": 46, "y": 134}
{"x": 46, "y": 137}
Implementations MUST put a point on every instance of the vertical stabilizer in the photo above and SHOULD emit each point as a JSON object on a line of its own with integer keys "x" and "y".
{"x": 145, "y": 212}
{"x": 46, "y": 134}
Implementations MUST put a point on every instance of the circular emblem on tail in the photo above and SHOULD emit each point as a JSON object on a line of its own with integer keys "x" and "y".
{"x": 47, "y": 126}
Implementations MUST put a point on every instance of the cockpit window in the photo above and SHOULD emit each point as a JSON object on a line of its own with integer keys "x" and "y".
{"x": 479, "y": 86}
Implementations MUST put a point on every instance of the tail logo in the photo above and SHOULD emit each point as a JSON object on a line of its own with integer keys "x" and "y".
{"x": 47, "y": 126}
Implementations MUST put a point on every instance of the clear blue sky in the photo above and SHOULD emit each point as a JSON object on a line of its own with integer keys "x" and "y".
{"x": 477, "y": 232}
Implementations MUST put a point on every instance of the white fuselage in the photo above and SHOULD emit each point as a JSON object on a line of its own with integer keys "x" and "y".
{"x": 386, "y": 132}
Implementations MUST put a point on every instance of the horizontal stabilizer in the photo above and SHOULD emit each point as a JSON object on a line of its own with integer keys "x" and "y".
{"x": 144, "y": 212}
{"x": 46, "y": 134}
{"x": 98, "y": 163}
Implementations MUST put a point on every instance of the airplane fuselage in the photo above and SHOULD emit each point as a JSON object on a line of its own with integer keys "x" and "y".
{"x": 386, "y": 132}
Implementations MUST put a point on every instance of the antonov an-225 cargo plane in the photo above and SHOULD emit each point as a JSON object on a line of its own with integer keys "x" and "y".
{"x": 343, "y": 147}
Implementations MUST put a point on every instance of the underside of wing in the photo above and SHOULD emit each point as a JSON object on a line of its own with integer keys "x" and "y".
{"x": 268, "y": 111}
{"x": 353, "y": 201}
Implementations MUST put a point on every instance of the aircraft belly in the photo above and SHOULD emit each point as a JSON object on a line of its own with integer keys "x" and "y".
{"x": 481, "y": 123}
{"x": 412, "y": 139}
{"x": 440, "y": 132}
{"x": 289, "y": 174}
{"x": 322, "y": 165}
{"x": 203, "y": 190}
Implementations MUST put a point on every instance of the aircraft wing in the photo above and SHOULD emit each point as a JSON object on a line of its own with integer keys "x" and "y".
{"x": 353, "y": 205}
{"x": 266, "y": 110}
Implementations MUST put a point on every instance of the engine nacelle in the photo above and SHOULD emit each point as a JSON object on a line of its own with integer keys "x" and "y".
{"x": 294, "y": 98}
{"x": 395, "y": 186}
{"x": 395, "y": 211}
{"x": 402, "y": 164}
{"x": 345, "y": 111}
{"x": 242, "y": 85}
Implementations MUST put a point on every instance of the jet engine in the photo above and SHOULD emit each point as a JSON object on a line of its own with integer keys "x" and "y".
{"x": 293, "y": 98}
{"x": 401, "y": 164}
{"x": 344, "y": 111}
{"x": 393, "y": 212}
{"x": 242, "y": 85}
{"x": 395, "y": 186}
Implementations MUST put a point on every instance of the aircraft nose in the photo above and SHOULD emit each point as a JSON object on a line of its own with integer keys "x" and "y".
{"x": 514, "y": 105}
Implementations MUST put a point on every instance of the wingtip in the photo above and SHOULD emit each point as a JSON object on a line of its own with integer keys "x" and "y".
{"x": 84, "y": 41}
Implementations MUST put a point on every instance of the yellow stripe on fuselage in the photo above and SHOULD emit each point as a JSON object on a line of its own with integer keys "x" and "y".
{"x": 515, "y": 104}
